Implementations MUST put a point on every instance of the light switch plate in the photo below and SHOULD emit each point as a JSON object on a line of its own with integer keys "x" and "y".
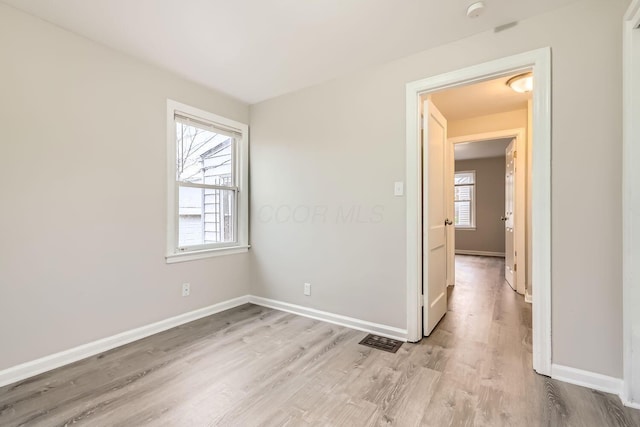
{"x": 398, "y": 189}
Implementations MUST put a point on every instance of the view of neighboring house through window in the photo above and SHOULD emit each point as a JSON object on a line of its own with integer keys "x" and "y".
{"x": 208, "y": 204}
{"x": 464, "y": 199}
{"x": 206, "y": 186}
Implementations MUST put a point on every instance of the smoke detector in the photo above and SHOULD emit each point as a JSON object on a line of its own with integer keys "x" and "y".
{"x": 475, "y": 9}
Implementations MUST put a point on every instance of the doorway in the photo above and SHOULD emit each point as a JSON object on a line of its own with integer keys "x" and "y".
{"x": 495, "y": 221}
{"x": 431, "y": 235}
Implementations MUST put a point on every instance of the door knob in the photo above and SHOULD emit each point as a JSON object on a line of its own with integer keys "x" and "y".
{"x": 447, "y": 222}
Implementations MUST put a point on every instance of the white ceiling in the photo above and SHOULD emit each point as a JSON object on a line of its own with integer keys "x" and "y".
{"x": 481, "y": 149}
{"x": 258, "y": 49}
{"x": 490, "y": 97}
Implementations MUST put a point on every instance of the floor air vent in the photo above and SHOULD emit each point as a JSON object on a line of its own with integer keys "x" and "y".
{"x": 381, "y": 343}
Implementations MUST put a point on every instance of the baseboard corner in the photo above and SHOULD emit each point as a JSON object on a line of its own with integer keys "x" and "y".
{"x": 628, "y": 403}
{"x": 587, "y": 379}
{"x": 528, "y": 298}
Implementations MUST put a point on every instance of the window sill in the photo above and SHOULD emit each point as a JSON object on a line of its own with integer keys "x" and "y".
{"x": 207, "y": 253}
{"x": 465, "y": 229}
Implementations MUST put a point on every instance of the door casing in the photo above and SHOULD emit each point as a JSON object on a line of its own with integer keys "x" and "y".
{"x": 630, "y": 393}
{"x": 538, "y": 61}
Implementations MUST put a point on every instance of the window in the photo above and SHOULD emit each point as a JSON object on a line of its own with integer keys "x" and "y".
{"x": 464, "y": 199}
{"x": 207, "y": 203}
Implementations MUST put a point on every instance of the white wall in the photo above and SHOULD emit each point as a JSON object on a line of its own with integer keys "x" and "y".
{"x": 488, "y": 123}
{"x": 82, "y": 187}
{"x": 341, "y": 144}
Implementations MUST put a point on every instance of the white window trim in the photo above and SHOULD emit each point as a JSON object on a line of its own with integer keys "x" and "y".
{"x": 241, "y": 244}
{"x": 472, "y": 227}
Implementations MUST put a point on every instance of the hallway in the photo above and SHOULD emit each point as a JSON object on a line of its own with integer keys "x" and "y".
{"x": 487, "y": 337}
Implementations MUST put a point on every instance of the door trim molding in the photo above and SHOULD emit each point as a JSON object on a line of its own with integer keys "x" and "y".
{"x": 630, "y": 232}
{"x": 540, "y": 62}
{"x": 632, "y": 16}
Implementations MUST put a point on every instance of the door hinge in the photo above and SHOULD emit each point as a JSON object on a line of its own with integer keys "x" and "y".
{"x": 515, "y": 267}
{"x": 515, "y": 154}
{"x": 421, "y": 300}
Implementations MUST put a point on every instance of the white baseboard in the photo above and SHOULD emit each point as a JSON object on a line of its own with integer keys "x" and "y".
{"x": 56, "y": 360}
{"x": 479, "y": 253}
{"x": 627, "y": 402}
{"x": 337, "y": 319}
{"x": 630, "y": 404}
{"x": 29, "y": 369}
{"x": 587, "y": 379}
{"x": 592, "y": 380}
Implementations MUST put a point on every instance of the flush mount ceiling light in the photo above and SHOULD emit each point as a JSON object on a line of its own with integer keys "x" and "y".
{"x": 522, "y": 83}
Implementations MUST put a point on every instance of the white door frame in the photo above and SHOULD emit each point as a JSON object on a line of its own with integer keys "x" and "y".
{"x": 630, "y": 224}
{"x": 540, "y": 62}
{"x": 520, "y": 192}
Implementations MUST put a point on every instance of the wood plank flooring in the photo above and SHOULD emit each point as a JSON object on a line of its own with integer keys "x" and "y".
{"x": 253, "y": 366}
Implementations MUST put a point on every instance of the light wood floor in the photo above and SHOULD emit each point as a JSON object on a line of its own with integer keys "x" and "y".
{"x": 256, "y": 366}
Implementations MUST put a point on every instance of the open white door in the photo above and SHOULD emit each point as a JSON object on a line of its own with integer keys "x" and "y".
{"x": 435, "y": 221}
{"x": 451, "y": 230}
{"x": 509, "y": 202}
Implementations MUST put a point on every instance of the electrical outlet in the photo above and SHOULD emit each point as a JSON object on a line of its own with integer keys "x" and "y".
{"x": 186, "y": 289}
{"x": 307, "y": 288}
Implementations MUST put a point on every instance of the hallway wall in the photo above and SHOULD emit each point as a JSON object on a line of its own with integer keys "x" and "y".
{"x": 488, "y": 123}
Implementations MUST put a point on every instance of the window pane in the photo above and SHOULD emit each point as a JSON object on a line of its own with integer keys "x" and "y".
{"x": 464, "y": 178}
{"x": 462, "y": 214}
{"x": 203, "y": 156}
{"x": 219, "y": 216}
{"x": 463, "y": 198}
{"x": 218, "y": 165}
{"x": 464, "y": 192}
{"x": 205, "y": 216}
{"x": 190, "y": 227}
